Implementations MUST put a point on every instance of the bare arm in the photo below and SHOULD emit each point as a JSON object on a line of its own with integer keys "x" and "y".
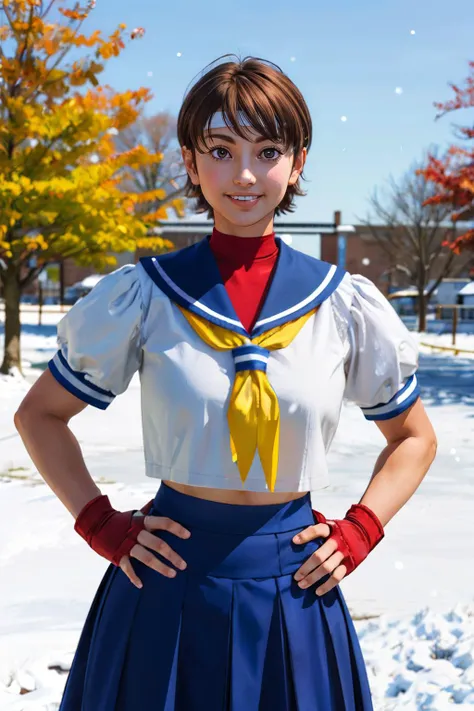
{"x": 42, "y": 422}
{"x": 403, "y": 463}
{"x": 398, "y": 472}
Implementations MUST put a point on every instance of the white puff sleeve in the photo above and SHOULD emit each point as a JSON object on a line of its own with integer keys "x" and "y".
{"x": 383, "y": 355}
{"x": 100, "y": 339}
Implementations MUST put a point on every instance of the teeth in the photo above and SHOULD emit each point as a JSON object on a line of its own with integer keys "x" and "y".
{"x": 242, "y": 197}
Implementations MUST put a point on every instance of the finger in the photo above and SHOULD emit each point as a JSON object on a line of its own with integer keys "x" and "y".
{"x": 149, "y": 540}
{"x": 163, "y": 523}
{"x": 334, "y": 580}
{"x": 147, "y": 557}
{"x": 127, "y": 567}
{"x": 326, "y": 568}
{"x": 316, "y": 559}
{"x": 309, "y": 534}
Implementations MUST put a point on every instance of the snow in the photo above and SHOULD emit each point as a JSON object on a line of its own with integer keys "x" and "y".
{"x": 90, "y": 281}
{"x": 467, "y": 290}
{"x": 464, "y": 341}
{"x": 412, "y": 600}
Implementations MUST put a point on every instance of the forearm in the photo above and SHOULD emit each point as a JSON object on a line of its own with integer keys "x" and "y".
{"x": 57, "y": 456}
{"x": 398, "y": 472}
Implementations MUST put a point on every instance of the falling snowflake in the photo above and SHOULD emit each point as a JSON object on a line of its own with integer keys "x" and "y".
{"x": 113, "y": 131}
{"x": 150, "y": 74}
{"x": 399, "y": 90}
{"x": 179, "y": 54}
{"x": 292, "y": 59}
{"x": 137, "y": 32}
{"x": 452, "y": 451}
{"x": 412, "y": 32}
{"x": 33, "y": 142}
{"x": 343, "y": 118}
{"x": 94, "y": 158}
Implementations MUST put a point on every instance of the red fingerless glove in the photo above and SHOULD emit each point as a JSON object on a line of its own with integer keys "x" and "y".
{"x": 110, "y": 533}
{"x": 356, "y": 534}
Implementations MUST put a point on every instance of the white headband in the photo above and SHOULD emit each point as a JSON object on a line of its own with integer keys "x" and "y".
{"x": 217, "y": 120}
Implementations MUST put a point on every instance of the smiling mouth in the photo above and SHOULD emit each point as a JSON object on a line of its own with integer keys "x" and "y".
{"x": 244, "y": 200}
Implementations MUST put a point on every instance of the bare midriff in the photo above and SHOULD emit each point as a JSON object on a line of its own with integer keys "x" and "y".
{"x": 233, "y": 496}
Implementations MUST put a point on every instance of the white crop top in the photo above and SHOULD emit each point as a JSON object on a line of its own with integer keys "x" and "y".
{"x": 354, "y": 347}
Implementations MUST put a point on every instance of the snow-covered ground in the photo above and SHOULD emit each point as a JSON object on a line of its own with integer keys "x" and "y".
{"x": 412, "y": 599}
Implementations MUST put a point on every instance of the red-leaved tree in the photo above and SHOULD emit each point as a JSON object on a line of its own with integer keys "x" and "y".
{"x": 454, "y": 173}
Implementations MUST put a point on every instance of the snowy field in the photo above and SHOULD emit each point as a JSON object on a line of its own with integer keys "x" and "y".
{"x": 412, "y": 599}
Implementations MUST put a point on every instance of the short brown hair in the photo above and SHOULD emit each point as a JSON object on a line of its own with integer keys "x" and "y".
{"x": 266, "y": 97}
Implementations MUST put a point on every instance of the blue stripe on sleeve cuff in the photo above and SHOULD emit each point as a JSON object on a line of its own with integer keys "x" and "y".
{"x": 400, "y": 402}
{"x": 76, "y": 383}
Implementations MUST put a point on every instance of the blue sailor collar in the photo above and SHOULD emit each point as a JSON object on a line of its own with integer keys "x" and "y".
{"x": 190, "y": 277}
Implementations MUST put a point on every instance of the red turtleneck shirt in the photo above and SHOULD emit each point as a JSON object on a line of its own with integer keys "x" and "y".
{"x": 246, "y": 265}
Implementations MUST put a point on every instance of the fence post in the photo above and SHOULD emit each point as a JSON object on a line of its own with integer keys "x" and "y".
{"x": 40, "y": 302}
{"x": 455, "y": 324}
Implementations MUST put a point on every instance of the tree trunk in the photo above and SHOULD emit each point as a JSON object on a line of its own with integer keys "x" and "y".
{"x": 12, "y": 293}
{"x": 421, "y": 310}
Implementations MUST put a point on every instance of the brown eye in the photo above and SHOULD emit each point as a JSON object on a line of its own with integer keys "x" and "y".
{"x": 221, "y": 153}
{"x": 271, "y": 153}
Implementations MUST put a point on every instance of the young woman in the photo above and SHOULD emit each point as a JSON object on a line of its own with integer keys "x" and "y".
{"x": 225, "y": 596}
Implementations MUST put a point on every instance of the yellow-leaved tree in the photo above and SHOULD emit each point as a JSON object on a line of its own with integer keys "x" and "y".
{"x": 61, "y": 176}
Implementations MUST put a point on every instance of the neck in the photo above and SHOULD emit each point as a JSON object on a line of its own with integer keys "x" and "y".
{"x": 261, "y": 228}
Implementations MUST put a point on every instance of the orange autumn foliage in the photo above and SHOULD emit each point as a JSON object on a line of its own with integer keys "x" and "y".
{"x": 62, "y": 192}
{"x": 454, "y": 174}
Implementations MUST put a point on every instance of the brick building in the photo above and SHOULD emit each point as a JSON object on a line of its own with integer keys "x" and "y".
{"x": 363, "y": 253}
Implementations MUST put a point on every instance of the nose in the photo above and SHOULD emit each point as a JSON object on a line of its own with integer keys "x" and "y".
{"x": 244, "y": 177}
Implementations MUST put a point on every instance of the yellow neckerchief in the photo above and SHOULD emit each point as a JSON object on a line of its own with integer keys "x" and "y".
{"x": 254, "y": 414}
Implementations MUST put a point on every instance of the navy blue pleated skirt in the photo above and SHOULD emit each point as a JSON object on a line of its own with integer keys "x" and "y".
{"x": 233, "y": 632}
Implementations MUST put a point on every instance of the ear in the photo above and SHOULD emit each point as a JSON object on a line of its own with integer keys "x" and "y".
{"x": 189, "y": 164}
{"x": 298, "y": 165}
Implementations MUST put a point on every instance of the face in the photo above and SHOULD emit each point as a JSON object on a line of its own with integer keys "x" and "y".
{"x": 257, "y": 170}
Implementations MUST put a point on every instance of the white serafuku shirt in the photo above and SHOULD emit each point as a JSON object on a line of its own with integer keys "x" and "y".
{"x": 355, "y": 348}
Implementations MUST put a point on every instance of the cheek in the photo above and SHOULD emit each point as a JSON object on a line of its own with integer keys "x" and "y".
{"x": 212, "y": 183}
{"x": 277, "y": 177}
{"x": 211, "y": 174}
{"x": 214, "y": 176}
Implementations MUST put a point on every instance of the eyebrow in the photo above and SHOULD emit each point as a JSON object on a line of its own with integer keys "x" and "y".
{"x": 229, "y": 139}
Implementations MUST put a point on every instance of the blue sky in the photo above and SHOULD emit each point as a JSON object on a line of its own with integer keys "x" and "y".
{"x": 349, "y": 58}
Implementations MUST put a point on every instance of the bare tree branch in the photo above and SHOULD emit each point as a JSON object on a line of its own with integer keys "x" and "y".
{"x": 442, "y": 275}
{"x": 33, "y": 273}
{"x": 158, "y": 134}
{"x": 411, "y": 233}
